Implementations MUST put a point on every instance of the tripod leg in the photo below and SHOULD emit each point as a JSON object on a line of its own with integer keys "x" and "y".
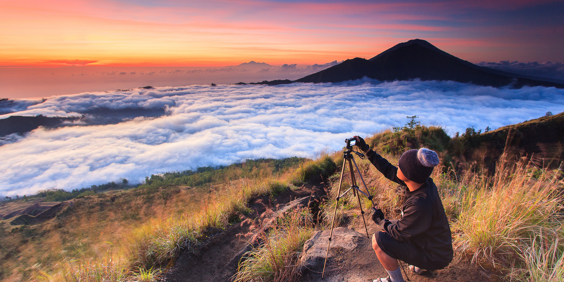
{"x": 334, "y": 216}
{"x": 362, "y": 214}
{"x": 353, "y": 178}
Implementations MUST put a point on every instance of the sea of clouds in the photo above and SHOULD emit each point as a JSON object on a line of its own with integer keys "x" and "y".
{"x": 550, "y": 71}
{"x": 211, "y": 126}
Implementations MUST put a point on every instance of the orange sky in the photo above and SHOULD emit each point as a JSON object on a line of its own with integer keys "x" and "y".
{"x": 219, "y": 33}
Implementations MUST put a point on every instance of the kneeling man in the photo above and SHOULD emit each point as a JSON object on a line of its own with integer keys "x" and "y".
{"x": 422, "y": 236}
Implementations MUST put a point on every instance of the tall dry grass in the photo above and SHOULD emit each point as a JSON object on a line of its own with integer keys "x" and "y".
{"x": 500, "y": 218}
{"x": 276, "y": 259}
{"x": 159, "y": 240}
{"x": 152, "y": 245}
{"x": 543, "y": 258}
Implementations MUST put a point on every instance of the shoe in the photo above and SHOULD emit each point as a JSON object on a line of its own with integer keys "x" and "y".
{"x": 415, "y": 269}
{"x": 387, "y": 279}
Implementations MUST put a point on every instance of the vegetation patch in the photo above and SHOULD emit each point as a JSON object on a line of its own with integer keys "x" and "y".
{"x": 276, "y": 258}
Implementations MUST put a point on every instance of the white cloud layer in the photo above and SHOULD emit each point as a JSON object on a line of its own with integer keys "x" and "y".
{"x": 552, "y": 71}
{"x": 225, "y": 124}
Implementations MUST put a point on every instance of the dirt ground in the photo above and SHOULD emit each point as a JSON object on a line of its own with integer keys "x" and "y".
{"x": 218, "y": 259}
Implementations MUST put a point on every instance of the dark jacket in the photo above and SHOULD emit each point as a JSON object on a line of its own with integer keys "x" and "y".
{"x": 423, "y": 222}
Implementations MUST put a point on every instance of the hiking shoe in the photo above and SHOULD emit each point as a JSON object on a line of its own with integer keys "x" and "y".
{"x": 415, "y": 269}
{"x": 387, "y": 279}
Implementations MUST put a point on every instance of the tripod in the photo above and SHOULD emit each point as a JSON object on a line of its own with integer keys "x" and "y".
{"x": 348, "y": 157}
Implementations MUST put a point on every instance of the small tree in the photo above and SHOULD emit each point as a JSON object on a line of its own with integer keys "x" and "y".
{"x": 412, "y": 123}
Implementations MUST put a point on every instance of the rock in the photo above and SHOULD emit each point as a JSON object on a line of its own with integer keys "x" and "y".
{"x": 315, "y": 248}
{"x": 350, "y": 257}
{"x": 269, "y": 217}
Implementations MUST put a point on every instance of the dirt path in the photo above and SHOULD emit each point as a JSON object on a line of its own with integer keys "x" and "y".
{"x": 218, "y": 259}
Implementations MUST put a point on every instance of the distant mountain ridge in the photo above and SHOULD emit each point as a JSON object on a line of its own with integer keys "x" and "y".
{"x": 419, "y": 59}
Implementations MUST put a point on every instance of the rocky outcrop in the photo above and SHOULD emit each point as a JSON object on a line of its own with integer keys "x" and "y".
{"x": 350, "y": 257}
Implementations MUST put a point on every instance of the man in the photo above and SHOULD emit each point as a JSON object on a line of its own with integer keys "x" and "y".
{"x": 422, "y": 236}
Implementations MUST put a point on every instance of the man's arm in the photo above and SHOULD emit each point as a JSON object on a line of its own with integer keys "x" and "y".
{"x": 385, "y": 167}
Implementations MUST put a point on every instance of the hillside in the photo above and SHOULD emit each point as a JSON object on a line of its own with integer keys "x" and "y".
{"x": 418, "y": 59}
{"x": 23, "y": 124}
{"x": 265, "y": 219}
{"x": 539, "y": 140}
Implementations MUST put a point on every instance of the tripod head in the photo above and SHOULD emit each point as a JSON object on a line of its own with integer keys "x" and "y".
{"x": 350, "y": 142}
{"x": 349, "y": 149}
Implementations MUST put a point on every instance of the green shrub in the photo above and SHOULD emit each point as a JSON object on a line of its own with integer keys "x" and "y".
{"x": 313, "y": 170}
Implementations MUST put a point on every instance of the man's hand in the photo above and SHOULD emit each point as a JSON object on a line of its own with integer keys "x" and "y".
{"x": 361, "y": 144}
{"x": 377, "y": 215}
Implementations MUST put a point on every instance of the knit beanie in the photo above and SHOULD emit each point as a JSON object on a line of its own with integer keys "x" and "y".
{"x": 417, "y": 165}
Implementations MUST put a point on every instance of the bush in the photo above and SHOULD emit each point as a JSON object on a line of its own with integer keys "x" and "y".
{"x": 402, "y": 139}
{"x": 313, "y": 170}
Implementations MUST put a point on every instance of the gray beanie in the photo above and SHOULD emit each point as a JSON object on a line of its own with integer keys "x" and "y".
{"x": 417, "y": 165}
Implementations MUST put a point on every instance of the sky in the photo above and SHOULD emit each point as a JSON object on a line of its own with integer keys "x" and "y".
{"x": 144, "y": 33}
{"x": 133, "y": 134}
{"x": 90, "y": 58}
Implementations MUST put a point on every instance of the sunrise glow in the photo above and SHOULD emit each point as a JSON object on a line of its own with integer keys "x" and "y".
{"x": 219, "y": 33}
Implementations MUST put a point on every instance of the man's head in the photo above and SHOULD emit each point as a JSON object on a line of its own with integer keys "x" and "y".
{"x": 417, "y": 165}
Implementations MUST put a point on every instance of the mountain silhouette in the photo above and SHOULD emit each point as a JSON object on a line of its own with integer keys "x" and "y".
{"x": 419, "y": 59}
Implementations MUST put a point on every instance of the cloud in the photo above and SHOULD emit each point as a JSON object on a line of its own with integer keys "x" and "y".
{"x": 211, "y": 126}
{"x": 9, "y": 106}
{"x": 72, "y": 62}
{"x": 553, "y": 71}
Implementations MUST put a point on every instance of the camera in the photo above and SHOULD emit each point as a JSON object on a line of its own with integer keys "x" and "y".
{"x": 350, "y": 142}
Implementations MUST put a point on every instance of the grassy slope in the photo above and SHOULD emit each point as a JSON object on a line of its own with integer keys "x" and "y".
{"x": 132, "y": 233}
{"x": 126, "y": 233}
{"x": 541, "y": 140}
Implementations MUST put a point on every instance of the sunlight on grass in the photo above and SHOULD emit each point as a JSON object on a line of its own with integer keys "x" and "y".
{"x": 158, "y": 240}
{"x": 107, "y": 269}
{"x": 276, "y": 258}
{"x": 320, "y": 169}
{"x": 147, "y": 275}
{"x": 498, "y": 221}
